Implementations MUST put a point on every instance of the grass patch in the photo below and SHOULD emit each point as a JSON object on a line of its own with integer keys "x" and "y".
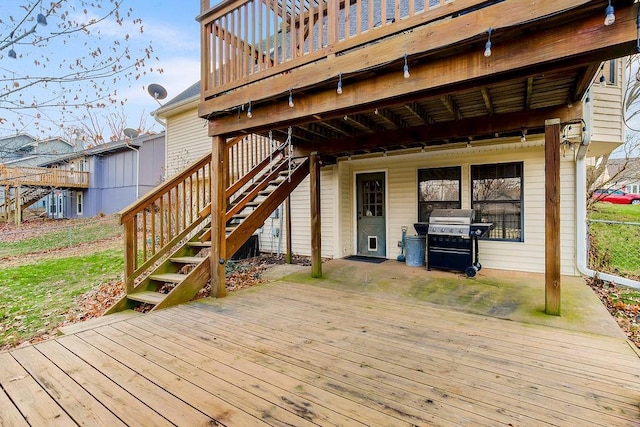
{"x": 614, "y": 247}
{"x": 61, "y": 234}
{"x": 34, "y": 297}
{"x": 611, "y": 212}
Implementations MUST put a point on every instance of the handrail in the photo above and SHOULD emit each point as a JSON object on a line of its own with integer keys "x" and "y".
{"x": 165, "y": 215}
{"x": 50, "y": 177}
{"x": 162, "y": 218}
{"x": 244, "y": 41}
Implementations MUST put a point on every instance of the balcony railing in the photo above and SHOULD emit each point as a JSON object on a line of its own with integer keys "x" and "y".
{"x": 244, "y": 41}
{"x": 43, "y": 177}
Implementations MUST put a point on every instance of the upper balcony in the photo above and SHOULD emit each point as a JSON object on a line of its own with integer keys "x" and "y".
{"x": 258, "y": 53}
{"x": 42, "y": 177}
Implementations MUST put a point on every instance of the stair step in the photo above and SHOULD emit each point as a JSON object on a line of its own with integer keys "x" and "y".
{"x": 230, "y": 229}
{"x": 97, "y": 321}
{"x": 205, "y": 244}
{"x": 265, "y": 192}
{"x": 147, "y": 297}
{"x": 186, "y": 260}
{"x": 252, "y": 204}
{"x": 168, "y": 277}
{"x": 240, "y": 216}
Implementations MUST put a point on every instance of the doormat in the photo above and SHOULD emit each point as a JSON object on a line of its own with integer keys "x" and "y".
{"x": 373, "y": 260}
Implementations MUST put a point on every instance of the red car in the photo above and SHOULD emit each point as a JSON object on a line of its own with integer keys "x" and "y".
{"x": 616, "y": 196}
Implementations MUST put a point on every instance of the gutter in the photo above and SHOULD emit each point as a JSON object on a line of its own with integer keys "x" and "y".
{"x": 581, "y": 216}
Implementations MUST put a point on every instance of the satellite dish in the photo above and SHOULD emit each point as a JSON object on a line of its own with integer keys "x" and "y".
{"x": 157, "y": 91}
{"x": 130, "y": 133}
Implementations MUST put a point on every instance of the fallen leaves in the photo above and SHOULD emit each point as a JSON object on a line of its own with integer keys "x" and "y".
{"x": 624, "y": 305}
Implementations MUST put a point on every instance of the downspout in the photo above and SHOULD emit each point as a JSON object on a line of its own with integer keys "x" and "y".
{"x": 582, "y": 239}
{"x": 137, "y": 169}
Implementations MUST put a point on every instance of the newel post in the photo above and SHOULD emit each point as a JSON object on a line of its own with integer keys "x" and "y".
{"x": 552, "y": 216}
{"x": 218, "y": 254}
{"x": 316, "y": 247}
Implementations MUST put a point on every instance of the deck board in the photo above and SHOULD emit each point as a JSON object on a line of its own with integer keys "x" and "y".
{"x": 296, "y": 354}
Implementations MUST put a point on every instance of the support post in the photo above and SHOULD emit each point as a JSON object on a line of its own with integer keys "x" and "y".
{"x": 552, "y": 216}
{"x": 289, "y": 256}
{"x": 218, "y": 213}
{"x": 316, "y": 247}
{"x": 130, "y": 254}
{"x": 18, "y": 204}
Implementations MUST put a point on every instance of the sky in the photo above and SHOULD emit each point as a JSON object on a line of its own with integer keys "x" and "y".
{"x": 170, "y": 27}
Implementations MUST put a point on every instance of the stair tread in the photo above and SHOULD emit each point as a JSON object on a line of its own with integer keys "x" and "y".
{"x": 186, "y": 259}
{"x": 147, "y": 297}
{"x": 97, "y": 321}
{"x": 168, "y": 277}
{"x": 204, "y": 244}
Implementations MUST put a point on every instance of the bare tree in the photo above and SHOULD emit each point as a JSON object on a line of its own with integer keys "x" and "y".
{"x": 66, "y": 54}
{"x": 88, "y": 129}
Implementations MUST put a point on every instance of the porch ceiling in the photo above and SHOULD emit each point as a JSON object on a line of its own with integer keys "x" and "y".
{"x": 539, "y": 69}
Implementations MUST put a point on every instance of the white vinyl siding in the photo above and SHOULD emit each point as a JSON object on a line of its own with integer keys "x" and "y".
{"x": 187, "y": 141}
{"x": 403, "y": 205}
{"x": 607, "y": 124}
{"x": 301, "y": 219}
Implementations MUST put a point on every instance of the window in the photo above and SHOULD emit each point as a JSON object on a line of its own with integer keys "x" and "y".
{"x": 497, "y": 198}
{"x": 372, "y": 193}
{"x": 438, "y": 188}
{"x": 79, "y": 202}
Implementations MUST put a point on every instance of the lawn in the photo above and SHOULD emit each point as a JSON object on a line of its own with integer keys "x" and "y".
{"x": 46, "y": 266}
{"x": 34, "y": 297}
{"x": 615, "y": 247}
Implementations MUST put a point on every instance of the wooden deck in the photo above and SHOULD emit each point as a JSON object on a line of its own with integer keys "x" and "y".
{"x": 295, "y": 354}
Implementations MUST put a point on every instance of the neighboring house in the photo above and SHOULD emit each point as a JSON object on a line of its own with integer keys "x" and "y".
{"x": 25, "y": 150}
{"x": 119, "y": 173}
{"x": 624, "y": 174}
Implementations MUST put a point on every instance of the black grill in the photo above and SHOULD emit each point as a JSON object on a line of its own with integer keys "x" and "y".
{"x": 452, "y": 240}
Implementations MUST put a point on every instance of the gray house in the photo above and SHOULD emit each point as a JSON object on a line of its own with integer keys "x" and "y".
{"x": 119, "y": 173}
{"x": 26, "y": 150}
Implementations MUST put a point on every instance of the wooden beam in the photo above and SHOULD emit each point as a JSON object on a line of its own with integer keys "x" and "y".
{"x": 218, "y": 212}
{"x": 552, "y": 216}
{"x": 451, "y": 106}
{"x": 486, "y": 97}
{"x": 527, "y": 101}
{"x": 510, "y": 122}
{"x": 316, "y": 245}
{"x": 289, "y": 255}
{"x": 582, "y": 42}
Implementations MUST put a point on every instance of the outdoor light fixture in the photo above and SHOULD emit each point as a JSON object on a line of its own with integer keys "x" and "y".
{"x": 12, "y": 53}
{"x": 487, "y": 46}
{"x": 249, "y": 113}
{"x": 291, "y": 98}
{"x": 406, "y": 68}
{"x": 41, "y": 19}
{"x": 339, "y": 89}
{"x": 523, "y": 138}
{"x": 610, "y": 17}
{"x": 603, "y": 81}
{"x": 375, "y": 111}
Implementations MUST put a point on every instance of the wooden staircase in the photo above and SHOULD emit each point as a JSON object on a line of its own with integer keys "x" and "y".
{"x": 167, "y": 233}
{"x": 28, "y": 196}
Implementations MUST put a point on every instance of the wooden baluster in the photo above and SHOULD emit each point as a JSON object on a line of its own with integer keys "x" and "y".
{"x": 129, "y": 254}
{"x": 246, "y": 58}
{"x": 333, "y": 14}
{"x": 162, "y": 213}
{"x": 144, "y": 235}
{"x": 347, "y": 21}
{"x": 358, "y": 6}
{"x": 169, "y": 216}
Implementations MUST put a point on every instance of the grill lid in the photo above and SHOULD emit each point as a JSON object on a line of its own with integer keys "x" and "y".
{"x": 451, "y": 216}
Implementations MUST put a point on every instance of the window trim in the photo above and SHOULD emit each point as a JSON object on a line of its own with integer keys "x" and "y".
{"x": 471, "y": 196}
{"x": 79, "y": 203}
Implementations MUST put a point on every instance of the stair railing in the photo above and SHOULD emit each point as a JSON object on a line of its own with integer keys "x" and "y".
{"x": 160, "y": 219}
